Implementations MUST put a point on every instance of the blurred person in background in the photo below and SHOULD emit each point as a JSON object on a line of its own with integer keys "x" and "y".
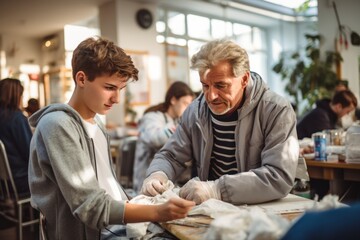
{"x": 157, "y": 125}
{"x": 33, "y": 106}
{"x": 326, "y": 114}
{"x": 15, "y": 132}
{"x": 346, "y": 121}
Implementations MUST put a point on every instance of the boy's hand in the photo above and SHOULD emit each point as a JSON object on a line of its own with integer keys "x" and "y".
{"x": 173, "y": 209}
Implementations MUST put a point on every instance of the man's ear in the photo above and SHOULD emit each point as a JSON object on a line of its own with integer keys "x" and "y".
{"x": 245, "y": 79}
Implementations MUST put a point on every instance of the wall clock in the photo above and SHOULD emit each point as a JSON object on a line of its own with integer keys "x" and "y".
{"x": 144, "y": 18}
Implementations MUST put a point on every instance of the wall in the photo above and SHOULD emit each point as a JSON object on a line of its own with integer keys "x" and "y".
{"x": 19, "y": 50}
{"x": 348, "y": 11}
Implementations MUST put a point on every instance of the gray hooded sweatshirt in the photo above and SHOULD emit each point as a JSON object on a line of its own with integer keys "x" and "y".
{"x": 266, "y": 153}
{"x": 62, "y": 177}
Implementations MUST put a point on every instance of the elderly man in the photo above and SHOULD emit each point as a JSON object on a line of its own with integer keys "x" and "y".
{"x": 240, "y": 136}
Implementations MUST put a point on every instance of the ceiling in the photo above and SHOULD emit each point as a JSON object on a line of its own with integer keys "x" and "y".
{"x": 39, "y": 18}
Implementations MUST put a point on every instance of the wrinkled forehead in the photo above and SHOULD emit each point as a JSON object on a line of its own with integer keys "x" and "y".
{"x": 222, "y": 69}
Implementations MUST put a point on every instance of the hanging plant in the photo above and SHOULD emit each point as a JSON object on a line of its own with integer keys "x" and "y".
{"x": 308, "y": 78}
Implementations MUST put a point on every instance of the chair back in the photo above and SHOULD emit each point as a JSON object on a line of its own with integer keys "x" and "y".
{"x": 7, "y": 186}
{"x": 12, "y": 207}
{"x": 301, "y": 170}
{"x": 128, "y": 148}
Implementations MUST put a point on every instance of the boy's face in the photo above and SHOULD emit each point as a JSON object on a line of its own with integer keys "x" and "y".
{"x": 100, "y": 94}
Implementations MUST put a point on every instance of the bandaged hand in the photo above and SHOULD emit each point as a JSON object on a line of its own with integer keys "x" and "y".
{"x": 200, "y": 191}
{"x": 155, "y": 184}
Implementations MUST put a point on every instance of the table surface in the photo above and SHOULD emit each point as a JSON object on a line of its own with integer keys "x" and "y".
{"x": 289, "y": 207}
{"x": 325, "y": 164}
{"x": 342, "y": 176}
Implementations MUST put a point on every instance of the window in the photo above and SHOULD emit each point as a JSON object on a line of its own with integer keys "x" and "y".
{"x": 220, "y": 28}
{"x": 176, "y": 23}
{"x": 198, "y": 27}
{"x": 192, "y": 31}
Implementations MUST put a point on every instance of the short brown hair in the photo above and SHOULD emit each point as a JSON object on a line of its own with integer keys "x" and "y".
{"x": 345, "y": 98}
{"x": 11, "y": 91}
{"x": 99, "y": 57}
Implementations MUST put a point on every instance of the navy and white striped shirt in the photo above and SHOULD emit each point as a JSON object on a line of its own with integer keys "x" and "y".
{"x": 223, "y": 159}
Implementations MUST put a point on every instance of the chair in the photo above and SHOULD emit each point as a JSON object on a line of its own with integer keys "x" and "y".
{"x": 12, "y": 205}
{"x": 301, "y": 185}
{"x": 125, "y": 164}
{"x": 301, "y": 170}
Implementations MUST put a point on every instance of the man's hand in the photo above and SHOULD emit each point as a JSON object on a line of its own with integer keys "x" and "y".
{"x": 306, "y": 150}
{"x": 155, "y": 184}
{"x": 200, "y": 191}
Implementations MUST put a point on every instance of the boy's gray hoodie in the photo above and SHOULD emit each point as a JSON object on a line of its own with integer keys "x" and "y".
{"x": 62, "y": 177}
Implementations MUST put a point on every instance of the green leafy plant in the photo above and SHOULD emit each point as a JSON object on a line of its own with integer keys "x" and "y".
{"x": 130, "y": 113}
{"x": 308, "y": 78}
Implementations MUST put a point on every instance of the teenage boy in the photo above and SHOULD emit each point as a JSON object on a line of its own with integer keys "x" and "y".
{"x": 71, "y": 178}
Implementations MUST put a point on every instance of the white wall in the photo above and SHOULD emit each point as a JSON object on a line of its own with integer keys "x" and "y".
{"x": 27, "y": 50}
{"x": 348, "y": 11}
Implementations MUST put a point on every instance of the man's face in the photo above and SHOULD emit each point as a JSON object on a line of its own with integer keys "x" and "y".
{"x": 100, "y": 94}
{"x": 223, "y": 92}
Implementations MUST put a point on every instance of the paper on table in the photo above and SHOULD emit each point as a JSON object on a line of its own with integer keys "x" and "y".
{"x": 290, "y": 204}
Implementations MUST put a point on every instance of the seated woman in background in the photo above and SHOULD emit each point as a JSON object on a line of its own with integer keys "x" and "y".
{"x": 157, "y": 125}
{"x": 15, "y": 132}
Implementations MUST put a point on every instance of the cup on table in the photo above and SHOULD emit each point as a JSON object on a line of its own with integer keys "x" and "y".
{"x": 336, "y": 137}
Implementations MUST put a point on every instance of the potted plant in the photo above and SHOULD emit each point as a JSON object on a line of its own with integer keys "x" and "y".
{"x": 309, "y": 78}
{"x": 130, "y": 113}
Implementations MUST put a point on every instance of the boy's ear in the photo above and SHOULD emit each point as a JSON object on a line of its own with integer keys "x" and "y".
{"x": 80, "y": 77}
